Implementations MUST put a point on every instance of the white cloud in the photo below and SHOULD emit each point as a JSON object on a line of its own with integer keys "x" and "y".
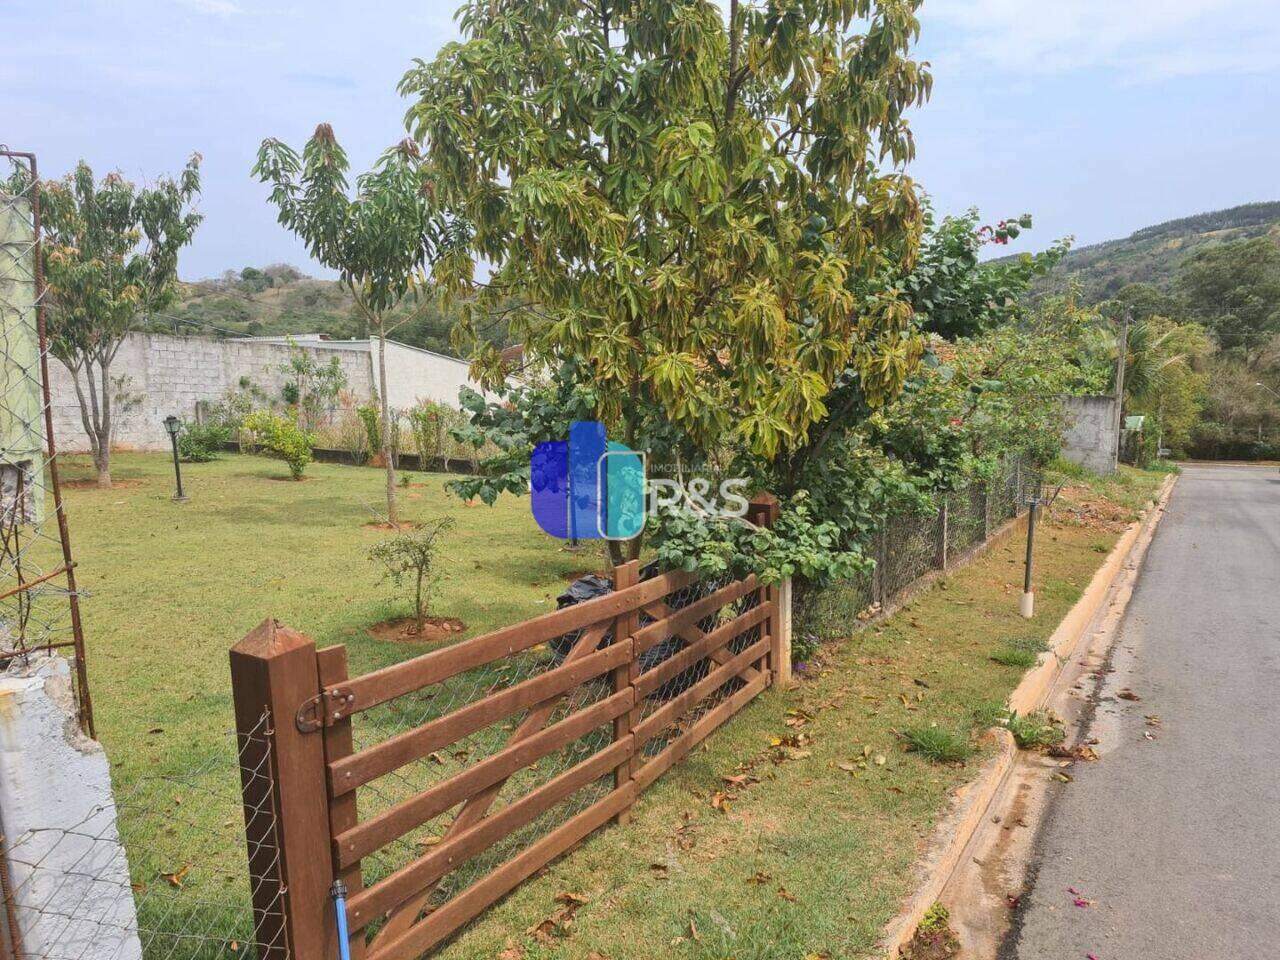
{"x": 219, "y": 8}
{"x": 1140, "y": 40}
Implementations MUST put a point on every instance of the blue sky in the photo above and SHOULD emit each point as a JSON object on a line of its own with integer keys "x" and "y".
{"x": 1097, "y": 116}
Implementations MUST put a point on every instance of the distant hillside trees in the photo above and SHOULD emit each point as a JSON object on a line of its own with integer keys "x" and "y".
{"x": 1234, "y": 289}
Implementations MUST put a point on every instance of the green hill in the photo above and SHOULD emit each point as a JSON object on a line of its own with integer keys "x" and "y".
{"x": 279, "y": 300}
{"x": 1152, "y": 254}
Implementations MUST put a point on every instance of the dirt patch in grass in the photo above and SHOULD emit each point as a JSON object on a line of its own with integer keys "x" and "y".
{"x": 390, "y": 527}
{"x": 573, "y": 575}
{"x": 405, "y": 630}
{"x": 93, "y": 485}
{"x": 286, "y": 478}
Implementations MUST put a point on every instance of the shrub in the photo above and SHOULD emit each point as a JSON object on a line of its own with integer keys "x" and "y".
{"x": 202, "y": 442}
{"x": 427, "y": 422}
{"x": 371, "y": 417}
{"x": 939, "y": 745}
{"x": 282, "y": 438}
{"x": 409, "y": 558}
{"x": 349, "y": 431}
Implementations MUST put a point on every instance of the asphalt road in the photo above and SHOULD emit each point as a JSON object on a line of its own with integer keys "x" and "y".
{"x": 1173, "y": 835}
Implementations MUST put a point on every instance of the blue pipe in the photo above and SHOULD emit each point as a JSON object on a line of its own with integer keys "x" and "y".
{"x": 339, "y": 893}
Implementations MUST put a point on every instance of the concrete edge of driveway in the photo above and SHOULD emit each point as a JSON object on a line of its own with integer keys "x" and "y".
{"x": 971, "y": 801}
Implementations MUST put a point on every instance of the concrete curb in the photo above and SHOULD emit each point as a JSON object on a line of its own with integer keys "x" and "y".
{"x": 971, "y": 801}
{"x": 969, "y": 805}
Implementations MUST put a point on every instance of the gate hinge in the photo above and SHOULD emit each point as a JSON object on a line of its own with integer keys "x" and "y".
{"x": 325, "y": 709}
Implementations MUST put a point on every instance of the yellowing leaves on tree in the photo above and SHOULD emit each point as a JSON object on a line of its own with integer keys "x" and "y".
{"x": 685, "y": 197}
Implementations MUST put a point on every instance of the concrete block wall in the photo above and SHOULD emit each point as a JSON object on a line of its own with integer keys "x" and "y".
{"x": 173, "y": 374}
{"x": 1091, "y": 435}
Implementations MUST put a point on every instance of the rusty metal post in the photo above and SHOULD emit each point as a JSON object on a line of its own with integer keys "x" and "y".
{"x": 274, "y": 672}
{"x": 84, "y": 702}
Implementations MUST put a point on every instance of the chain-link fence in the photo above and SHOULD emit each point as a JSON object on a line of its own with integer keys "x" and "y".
{"x": 911, "y": 546}
{"x": 160, "y": 874}
{"x": 39, "y": 609}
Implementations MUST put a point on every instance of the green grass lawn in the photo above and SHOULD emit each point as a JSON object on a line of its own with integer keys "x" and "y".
{"x": 172, "y": 587}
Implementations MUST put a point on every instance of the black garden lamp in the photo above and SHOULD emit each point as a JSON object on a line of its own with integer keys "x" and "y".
{"x": 174, "y": 426}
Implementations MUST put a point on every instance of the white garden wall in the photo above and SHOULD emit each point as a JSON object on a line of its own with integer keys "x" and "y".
{"x": 173, "y": 374}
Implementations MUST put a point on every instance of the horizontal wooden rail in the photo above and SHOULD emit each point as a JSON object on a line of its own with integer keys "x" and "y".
{"x": 395, "y": 822}
{"x": 395, "y": 889}
{"x": 360, "y": 768}
{"x": 673, "y": 623}
{"x": 679, "y": 748}
{"x": 460, "y": 909}
{"x": 378, "y": 687}
{"x": 673, "y": 708}
{"x": 723, "y": 635}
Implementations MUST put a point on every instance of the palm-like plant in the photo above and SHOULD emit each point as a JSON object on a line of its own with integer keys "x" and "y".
{"x": 1155, "y": 347}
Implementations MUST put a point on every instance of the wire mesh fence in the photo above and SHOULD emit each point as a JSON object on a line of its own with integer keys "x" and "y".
{"x": 160, "y": 874}
{"x": 911, "y": 546}
{"x": 39, "y": 608}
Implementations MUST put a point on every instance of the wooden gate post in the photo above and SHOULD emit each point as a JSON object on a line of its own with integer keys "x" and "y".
{"x": 763, "y": 512}
{"x": 273, "y": 673}
{"x": 626, "y": 624}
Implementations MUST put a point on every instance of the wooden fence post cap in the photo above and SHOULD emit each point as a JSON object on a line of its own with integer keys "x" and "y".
{"x": 763, "y": 510}
{"x": 270, "y": 638}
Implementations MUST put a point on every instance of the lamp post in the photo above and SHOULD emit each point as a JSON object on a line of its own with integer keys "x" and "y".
{"x": 173, "y": 426}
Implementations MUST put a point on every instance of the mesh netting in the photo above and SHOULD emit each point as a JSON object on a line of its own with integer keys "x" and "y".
{"x": 161, "y": 873}
{"x": 38, "y": 604}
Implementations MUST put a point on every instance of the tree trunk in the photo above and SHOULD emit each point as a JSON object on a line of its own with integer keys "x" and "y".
{"x": 393, "y": 508}
{"x": 417, "y": 607}
{"x": 95, "y": 416}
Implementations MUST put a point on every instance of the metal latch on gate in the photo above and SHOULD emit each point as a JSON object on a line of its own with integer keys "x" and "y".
{"x": 325, "y": 709}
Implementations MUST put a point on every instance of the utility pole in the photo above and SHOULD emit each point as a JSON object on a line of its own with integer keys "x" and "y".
{"x": 1120, "y": 365}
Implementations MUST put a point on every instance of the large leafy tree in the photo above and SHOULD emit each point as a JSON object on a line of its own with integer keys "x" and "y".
{"x": 110, "y": 258}
{"x": 687, "y": 200}
{"x": 381, "y": 240}
{"x": 954, "y": 294}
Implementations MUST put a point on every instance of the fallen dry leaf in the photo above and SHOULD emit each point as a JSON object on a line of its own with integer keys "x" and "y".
{"x": 177, "y": 877}
{"x": 787, "y": 895}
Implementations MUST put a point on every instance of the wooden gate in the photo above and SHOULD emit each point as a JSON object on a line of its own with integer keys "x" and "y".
{"x": 433, "y": 787}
